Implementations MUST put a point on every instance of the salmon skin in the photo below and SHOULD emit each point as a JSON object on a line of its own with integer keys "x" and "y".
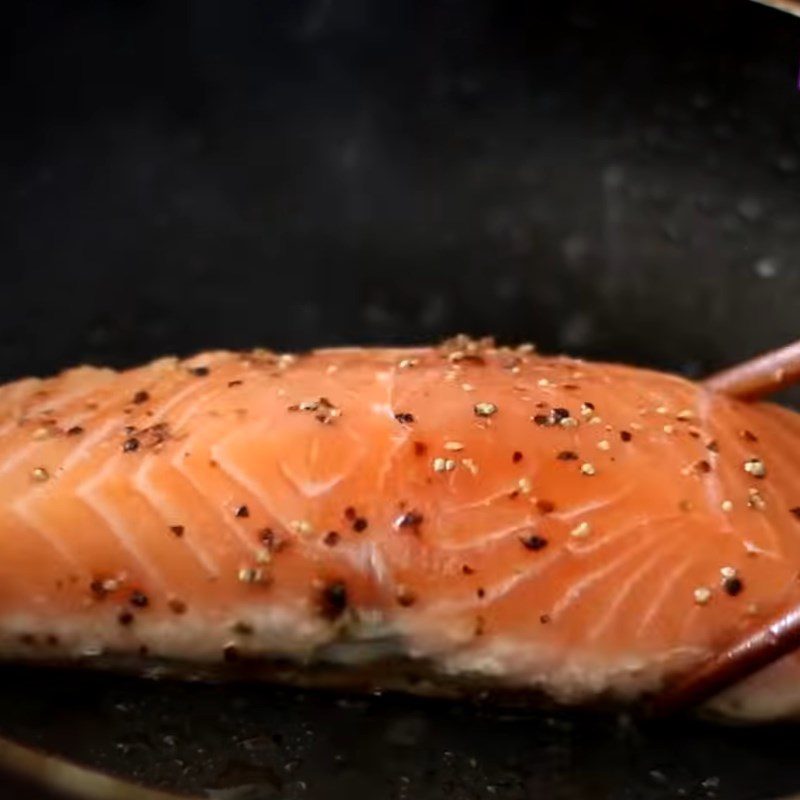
{"x": 460, "y": 517}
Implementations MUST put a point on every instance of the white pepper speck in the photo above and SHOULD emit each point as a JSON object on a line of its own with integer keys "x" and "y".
{"x": 470, "y": 465}
{"x": 250, "y": 575}
{"x": 755, "y": 500}
{"x": 702, "y": 594}
{"x": 301, "y": 526}
{"x": 485, "y": 409}
{"x": 581, "y": 530}
{"x": 755, "y": 467}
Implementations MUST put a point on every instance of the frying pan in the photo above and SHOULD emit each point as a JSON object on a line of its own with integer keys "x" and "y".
{"x": 617, "y": 179}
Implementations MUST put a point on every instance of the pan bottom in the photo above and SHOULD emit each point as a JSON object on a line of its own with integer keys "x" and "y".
{"x": 259, "y": 742}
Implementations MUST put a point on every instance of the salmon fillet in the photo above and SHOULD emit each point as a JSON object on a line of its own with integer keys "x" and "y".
{"x": 461, "y": 516}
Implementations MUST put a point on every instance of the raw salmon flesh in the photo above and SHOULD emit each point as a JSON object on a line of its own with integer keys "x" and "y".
{"x": 448, "y": 520}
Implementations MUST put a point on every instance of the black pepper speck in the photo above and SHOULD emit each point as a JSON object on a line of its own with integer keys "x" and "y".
{"x": 545, "y": 506}
{"x": 139, "y": 599}
{"x": 333, "y": 600}
{"x": 534, "y": 542}
{"x": 411, "y": 519}
{"x": 331, "y": 538}
{"x": 177, "y": 606}
{"x": 733, "y": 586}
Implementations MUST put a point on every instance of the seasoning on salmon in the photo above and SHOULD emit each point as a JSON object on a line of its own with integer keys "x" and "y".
{"x": 506, "y": 519}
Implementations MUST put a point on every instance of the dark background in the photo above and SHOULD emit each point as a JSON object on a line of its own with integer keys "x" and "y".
{"x": 617, "y": 179}
{"x": 614, "y": 179}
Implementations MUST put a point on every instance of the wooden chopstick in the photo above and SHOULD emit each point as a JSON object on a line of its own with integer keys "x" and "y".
{"x": 759, "y": 376}
{"x": 54, "y": 778}
{"x": 790, "y": 6}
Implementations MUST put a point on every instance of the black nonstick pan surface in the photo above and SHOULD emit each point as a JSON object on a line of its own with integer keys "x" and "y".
{"x": 619, "y": 180}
